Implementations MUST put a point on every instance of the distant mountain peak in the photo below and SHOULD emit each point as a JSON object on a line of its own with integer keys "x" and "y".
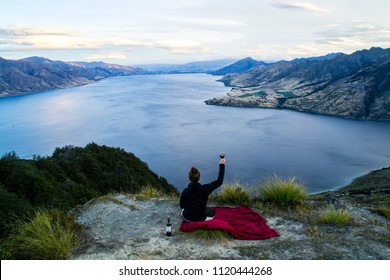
{"x": 248, "y": 58}
{"x": 239, "y": 66}
{"x": 37, "y": 59}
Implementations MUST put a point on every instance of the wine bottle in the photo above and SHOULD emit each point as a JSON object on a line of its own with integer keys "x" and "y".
{"x": 168, "y": 227}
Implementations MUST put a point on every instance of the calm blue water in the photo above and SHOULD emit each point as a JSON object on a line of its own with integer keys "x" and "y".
{"x": 163, "y": 120}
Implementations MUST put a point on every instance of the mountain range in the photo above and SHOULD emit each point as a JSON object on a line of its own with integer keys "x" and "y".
{"x": 352, "y": 86}
{"x": 208, "y": 66}
{"x": 35, "y": 74}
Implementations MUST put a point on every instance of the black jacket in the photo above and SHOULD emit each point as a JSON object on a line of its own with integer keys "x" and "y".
{"x": 194, "y": 198}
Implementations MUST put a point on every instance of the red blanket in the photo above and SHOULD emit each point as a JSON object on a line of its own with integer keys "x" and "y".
{"x": 242, "y": 222}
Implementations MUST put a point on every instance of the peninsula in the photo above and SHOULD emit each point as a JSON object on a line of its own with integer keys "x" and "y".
{"x": 355, "y": 86}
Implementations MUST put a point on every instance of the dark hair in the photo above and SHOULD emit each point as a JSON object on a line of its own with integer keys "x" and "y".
{"x": 194, "y": 175}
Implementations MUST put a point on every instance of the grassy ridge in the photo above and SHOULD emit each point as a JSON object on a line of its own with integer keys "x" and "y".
{"x": 371, "y": 189}
{"x": 373, "y": 181}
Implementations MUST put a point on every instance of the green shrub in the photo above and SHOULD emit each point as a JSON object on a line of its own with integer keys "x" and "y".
{"x": 234, "y": 193}
{"x": 48, "y": 235}
{"x": 12, "y": 208}
{"x": 335, "y": 216}
{"x": 285, "y": 193}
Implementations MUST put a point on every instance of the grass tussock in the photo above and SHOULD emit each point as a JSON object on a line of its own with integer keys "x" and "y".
{"x": 335, "y": 216}
{"x": 383, "y": 210}
{"x": 284, "y": 193}
{"x": 148, "y": 192}
{"x": 211, "y": 235}
{"x": 49, "y": 235}
{"x": 234, "y": 193}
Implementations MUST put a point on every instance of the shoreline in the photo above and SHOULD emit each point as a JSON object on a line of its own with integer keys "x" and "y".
{"x": 370, "y": 188}
{"x": 226, "y": 101}
{"x": 21, "y": 94}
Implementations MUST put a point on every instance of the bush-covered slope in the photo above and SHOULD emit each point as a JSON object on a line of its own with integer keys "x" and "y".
{"x": 71, "y": 176}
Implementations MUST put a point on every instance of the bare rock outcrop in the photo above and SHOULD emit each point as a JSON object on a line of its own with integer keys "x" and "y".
{"x": 123, "y": 227}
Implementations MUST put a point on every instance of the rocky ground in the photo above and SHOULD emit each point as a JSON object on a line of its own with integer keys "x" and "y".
{"x": 121, "y": 226}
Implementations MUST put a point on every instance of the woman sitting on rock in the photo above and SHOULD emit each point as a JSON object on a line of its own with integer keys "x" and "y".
{"x": 193, "y": 199}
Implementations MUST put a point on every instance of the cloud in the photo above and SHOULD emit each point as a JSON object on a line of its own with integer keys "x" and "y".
{"x": 211, "y": 23}
{"x": 302, "y": 6}
{"x": 176, "y": 46}
{"x": 276, "y": 52}
{"x": 24, "y": 30}
{"x": 353, "y": 29}
{"x": 342, "y": 36}
{"x": 22, "y": 37}
{"x": 354, "y": 35}
{"x": 111, "y": 55}
{"x": 106, "y": 43}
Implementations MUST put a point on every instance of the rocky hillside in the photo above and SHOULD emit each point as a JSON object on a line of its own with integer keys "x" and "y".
{"x": 36, "y": 74}
{"x": 352, "y": 86}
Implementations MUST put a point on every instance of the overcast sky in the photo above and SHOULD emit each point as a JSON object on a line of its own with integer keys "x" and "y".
{"x": 179, "y": 31}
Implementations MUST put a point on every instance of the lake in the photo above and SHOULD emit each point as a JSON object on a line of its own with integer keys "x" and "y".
{"x": 164, "y": 121}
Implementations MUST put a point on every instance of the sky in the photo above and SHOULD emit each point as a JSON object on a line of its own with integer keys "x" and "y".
{"x": 131, "y": 32}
